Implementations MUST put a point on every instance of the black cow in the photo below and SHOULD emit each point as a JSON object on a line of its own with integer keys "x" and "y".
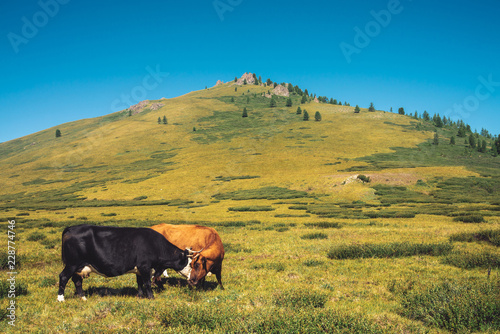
{"x": 114, "y": 251}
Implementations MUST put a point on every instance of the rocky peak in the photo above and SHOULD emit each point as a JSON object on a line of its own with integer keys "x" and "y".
{"x": 219, "y": 82}
{"x": 248, "y": 77}
{"x": 281, "y": 91}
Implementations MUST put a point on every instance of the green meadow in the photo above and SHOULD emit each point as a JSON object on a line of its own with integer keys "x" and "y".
{"x": 358, "y": 223}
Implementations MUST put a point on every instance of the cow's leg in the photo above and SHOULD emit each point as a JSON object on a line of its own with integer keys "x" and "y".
{"x": 217, "y": 272}
{"x": 64, "y": 277}
{"x": 140, "y": 284}
{"x": 146, "y": 280}
{"x": 78, "y": 280}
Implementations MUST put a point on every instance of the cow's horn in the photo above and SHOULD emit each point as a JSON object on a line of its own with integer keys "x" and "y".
{"x": 191, "y": 252}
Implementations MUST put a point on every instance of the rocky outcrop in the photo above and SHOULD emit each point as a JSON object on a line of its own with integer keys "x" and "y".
{"x": 139, "y": 107}
{"x": 156, "y": 106}
{"x": 281, "y": 91}
{"x": 219, "y": 82}
{"x": 316, "y": 100}
{"x": 248, "y": 77}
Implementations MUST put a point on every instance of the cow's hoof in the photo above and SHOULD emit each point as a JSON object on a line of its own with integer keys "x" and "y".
{"x": 60, "y": 298}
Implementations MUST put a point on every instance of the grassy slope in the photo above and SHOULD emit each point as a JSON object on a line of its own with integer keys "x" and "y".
{"x": 119, "y": 158}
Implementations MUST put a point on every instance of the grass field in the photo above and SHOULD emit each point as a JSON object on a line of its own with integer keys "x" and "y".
{"x": 310, "y": 247}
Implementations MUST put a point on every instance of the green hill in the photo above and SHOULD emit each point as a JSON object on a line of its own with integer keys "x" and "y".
{"x": 357, "y": 222}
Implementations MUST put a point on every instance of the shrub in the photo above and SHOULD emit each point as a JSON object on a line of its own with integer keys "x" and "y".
{"x": 112, "y": 214}
{"x": 251, "y": 208}
{"x": 467, "y": 260}
{"x": 473, "y": 218}
{"x": 324, "y": 225}
{"x": 490, "y": 236}
{"x": 312, "y": 263}
{"x": 392, "y": 250}
{"x": 299, "y": 298}
{"x": 317, "y": 235}
{"x": 140, "y": 198}
{"x": 364, "y": 178}
{"x": 36, "y": 236}
{"x": 455, "y": 306}
{"x": 20, "y": 289}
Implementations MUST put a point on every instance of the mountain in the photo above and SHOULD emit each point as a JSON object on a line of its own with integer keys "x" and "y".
{"x": 207, "y": 149}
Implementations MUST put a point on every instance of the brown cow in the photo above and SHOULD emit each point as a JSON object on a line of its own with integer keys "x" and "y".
{"x": 196, "y": 237}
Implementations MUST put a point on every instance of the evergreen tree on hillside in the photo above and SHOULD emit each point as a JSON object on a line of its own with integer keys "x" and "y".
{"x": 472, "y": 141}
{"x": 299, "y": 111}
{"x": 165, "y": 120}
{"x": 129, "y": 113}
{"x": 317, "y": 116}
{"x": 438, "y": 121}
{"x": 496, "y": 146}
{"x": 245, "y": 114}
{"x": 269, "y": 82}
{"x": 372, "y": 107}
{"x": 235, "y": 79}
{"x": 357, "y": 110}
{"x": 401, "y": 111}
{"x": 260, "y": 80}
{"x": 306, "y": 115}
{"x": 248, "y": 99}
{"x": 306, "y": 93}
{"x": 58, "y": 133}
{"x": 426, "y": 116}
{"x": 482, "y": 148}
{"x": 436, "y": 139}
{"x": 235, "y": 89}
{"x": 415, "y": 116}
{"x": 290, "y": 87}
{"x": 159, "y": 120}
{"x": 275, "y": 85}
{"x": 232, "y": 99}
{"x": 462, "y": 132}
{"x": 452, "y": 140}
{"x": 245, "y": 81}
{"x": 304, "y": 99}
{"x": 289, "y": 102}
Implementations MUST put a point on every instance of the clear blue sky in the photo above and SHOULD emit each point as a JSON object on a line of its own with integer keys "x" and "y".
{"x": 64, "y": 60}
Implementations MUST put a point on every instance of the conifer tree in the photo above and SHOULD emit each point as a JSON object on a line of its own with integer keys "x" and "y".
{"x": 159, "y": 120}
{"x": 401, "y": 111}
{"x": 472, "y": 141}
{"x": 299, "y": 111}
{"x": 357, "y": 110}
{"x": 426, "y": 116}
{"x": 372, "y": 107}
{"x": 452, "y": 140}
{"x": 289, "y": 102}
{"x": 245, "y": 81}
{"x": 245, "y": 114}
{"x": 165, "y": 120}
{"x": 232, "y": 99}
{"x": 304, "y": 99}
{"x": 483, "y": 146}
{"x": 306, "y": 115}
{"x": 58, "y": 133}
{"x": 436, "y": 139}
{"x": 317, "y": 116}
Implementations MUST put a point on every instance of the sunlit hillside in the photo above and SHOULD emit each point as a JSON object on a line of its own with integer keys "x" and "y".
{"x": 362, "y": 222}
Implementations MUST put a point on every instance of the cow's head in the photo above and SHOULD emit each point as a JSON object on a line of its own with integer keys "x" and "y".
{"x": 186, "y": 271}
{"x": 199, "y": 269}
